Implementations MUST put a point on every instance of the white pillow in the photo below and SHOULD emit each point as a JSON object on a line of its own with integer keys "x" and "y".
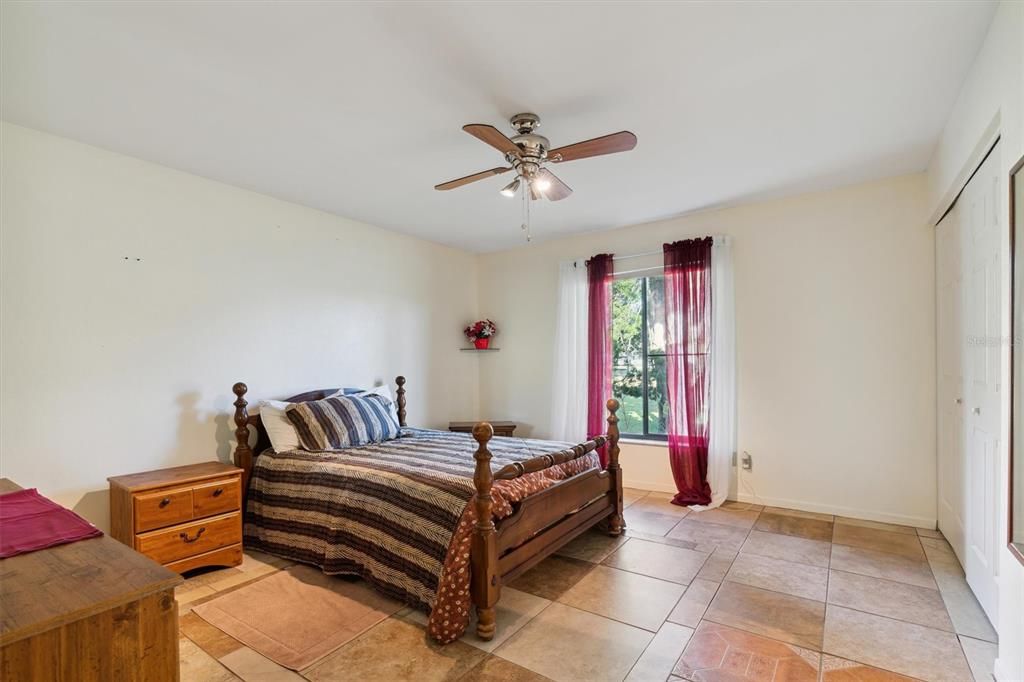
{"x": 384, "y": 390}
{"x": 279, "y": 428}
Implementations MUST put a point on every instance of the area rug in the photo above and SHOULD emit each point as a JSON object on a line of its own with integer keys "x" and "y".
{"x": 297, "y": 616}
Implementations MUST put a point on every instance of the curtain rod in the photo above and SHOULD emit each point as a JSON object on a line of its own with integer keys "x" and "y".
{"x": 638, "y": 255}
{"x": 634, "y": 255}
{"x": 654, "y": 268}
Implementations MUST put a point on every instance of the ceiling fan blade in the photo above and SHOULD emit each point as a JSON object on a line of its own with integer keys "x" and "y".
{"x": 493, "y": 137}
{"x": 609, "y": 144}
{"x": 557, "y": 190}
{"x": 452, "y": 184}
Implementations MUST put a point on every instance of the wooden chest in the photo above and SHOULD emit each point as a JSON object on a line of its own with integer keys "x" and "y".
{"x": 184, "y": 518}
{"x": 91, "y": 610}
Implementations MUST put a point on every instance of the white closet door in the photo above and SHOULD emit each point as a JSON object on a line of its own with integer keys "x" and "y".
{"x": 951, "y": 349}
{"x": 984, "y": 234}
{"x": 969, "y": 329}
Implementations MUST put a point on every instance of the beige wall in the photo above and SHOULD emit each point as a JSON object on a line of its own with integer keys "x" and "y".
{"x": 834, "y": 319}
{"x": 113, "y": 365}
{"x": 835, "y": 345}
{"x": 991, "y": 104}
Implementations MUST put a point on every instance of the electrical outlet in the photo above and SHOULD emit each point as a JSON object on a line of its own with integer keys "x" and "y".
{"x": 734, "y": 458}
{"x": 748, "y": 461}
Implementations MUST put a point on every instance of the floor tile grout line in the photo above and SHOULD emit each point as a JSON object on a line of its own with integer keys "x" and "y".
{"x": 826, "y": 603}
{"x": 758, "y": 634}
{"x": 768, "y": 589}
{"x": 898, "y": 620}
{"x": 769, "y": 556}
{"x": 616, "y": 620}
{"x": 874, "y": 575}
{"x": 824, "y": 616}
{"x": 519, "y": 629}
{"x": 949, "y": 614}
{"x": 882, "y": 551}
{"x": 656, "y": 635}
{"x": 646, "y": 575}
{"x": 884, "y": 530}
{"x": 888, "y": 580}
{"x": 942, "y": 595}
{"x": 821, "y": 652}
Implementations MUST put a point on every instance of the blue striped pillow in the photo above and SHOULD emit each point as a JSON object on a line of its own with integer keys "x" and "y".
{"x": 343, "y": 421}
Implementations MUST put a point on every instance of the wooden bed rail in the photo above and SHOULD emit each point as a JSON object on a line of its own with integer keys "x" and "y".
{"x": 485, "y": 577}
{"x": 540, "y": 462}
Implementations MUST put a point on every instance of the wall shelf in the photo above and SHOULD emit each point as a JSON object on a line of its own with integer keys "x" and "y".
{"x": 480, "y": 350}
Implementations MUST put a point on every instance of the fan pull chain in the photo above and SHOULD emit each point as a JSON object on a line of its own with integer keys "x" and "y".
{"x": 525, "y": 227}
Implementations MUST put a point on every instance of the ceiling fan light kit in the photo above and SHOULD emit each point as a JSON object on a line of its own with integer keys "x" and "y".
{"x": 511, "y": 188}
{"x": 527, "y": 153}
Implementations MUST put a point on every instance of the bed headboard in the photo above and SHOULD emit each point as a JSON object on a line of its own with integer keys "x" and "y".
{"x": 246, "y": 423}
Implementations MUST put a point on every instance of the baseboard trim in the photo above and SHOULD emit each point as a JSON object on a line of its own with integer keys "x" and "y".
{"x": 852, "y": 512}
{"x": 648, "y": 485}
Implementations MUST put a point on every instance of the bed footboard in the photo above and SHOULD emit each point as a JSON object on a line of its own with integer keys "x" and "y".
{"x": 544, "y": 522}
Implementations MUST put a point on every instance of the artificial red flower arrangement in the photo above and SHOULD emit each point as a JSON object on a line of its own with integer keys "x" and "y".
{"x": 480, "y": 333}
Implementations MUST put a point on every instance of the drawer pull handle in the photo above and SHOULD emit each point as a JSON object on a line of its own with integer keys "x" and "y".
{"x": 217, "y": 492}
{"x": 186, "y": 538}
{"x": 164, "y": 502}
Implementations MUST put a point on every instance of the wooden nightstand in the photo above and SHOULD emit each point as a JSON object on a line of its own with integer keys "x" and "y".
{"x": 184, "y": 518}
{"x": 500, "y": 428}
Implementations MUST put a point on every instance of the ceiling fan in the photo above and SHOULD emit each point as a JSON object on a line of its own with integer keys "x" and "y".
{"x": 528, "y": 152}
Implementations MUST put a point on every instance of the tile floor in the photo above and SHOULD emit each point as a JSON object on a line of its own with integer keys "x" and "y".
{"x": 743, "y": 592}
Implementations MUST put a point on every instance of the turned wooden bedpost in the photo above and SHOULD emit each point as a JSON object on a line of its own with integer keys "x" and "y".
{"x": 485, "y": 587}
{"x": 616, "y": 522}
{"x": 243, "y": 453}
{"x": 400, "y": 399}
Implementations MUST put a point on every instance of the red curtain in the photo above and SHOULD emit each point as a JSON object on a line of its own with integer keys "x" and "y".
{"x": 688, "y": 340}
{"x": 599, "y": 358}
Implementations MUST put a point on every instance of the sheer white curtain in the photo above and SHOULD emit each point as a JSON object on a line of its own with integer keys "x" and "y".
{"x": 569, "y": 395}
{"x": 722, "y": 407}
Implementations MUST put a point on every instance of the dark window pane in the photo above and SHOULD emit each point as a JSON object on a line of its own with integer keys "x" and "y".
{"x": 655, "y": 314}
{"x": 627, "y": 353}
{"x": 627, "y": 374}
{"x": 657, "y": 396}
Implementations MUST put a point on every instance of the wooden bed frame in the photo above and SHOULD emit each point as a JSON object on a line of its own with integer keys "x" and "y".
{"x": 540, "y": 525}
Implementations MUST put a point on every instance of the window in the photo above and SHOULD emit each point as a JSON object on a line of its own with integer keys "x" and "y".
{"x": 638, "y": 356}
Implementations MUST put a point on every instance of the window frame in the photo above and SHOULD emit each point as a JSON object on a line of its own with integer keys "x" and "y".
{"x": 645, "y": 358}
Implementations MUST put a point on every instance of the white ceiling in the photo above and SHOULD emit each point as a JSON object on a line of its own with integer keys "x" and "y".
{"x": 357, "y": 108}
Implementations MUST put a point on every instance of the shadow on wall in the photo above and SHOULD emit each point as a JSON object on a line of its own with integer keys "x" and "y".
{"x": 194, "y": 429}
{"x": 225, "y": 437}
{"x": 95, "y": 508}
{"x": 194, "y": 444}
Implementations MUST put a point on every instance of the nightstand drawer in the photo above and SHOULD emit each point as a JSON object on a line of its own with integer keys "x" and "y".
{"x": 216, "y": 498}
{"x": 162, "y": 509}
{"x": 172, "y": 544}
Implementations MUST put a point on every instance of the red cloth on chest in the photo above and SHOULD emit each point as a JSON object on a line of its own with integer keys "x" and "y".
{"x": 29, "y": 522}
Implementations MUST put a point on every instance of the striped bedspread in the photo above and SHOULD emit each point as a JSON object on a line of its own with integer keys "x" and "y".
{"x": 396, "y": 513}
